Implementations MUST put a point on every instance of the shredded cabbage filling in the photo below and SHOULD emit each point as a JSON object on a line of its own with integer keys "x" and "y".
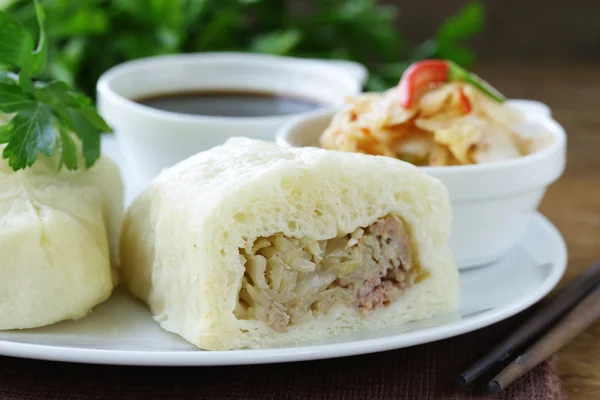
{"x": 289, "y": 280}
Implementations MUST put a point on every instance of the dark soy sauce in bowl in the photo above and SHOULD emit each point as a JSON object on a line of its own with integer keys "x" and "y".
{"x": 230, "y": 103}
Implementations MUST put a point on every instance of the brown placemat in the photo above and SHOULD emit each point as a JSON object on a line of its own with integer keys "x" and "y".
{"x": 421, "y": 372}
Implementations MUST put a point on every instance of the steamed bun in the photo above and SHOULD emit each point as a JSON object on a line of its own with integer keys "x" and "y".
{"x": 58, "y": 241}
{"x": 250, "y": 245}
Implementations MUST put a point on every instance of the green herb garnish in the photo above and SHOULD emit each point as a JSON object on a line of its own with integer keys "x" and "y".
{"x": 42, "y": 114}
{"x": 87, "y": 37}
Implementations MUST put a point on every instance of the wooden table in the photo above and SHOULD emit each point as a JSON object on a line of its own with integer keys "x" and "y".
{"x": 573, "y": 203}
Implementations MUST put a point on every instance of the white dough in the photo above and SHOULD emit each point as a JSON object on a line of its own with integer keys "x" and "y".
{"x": 181, "y": 237}
{"x": 58, "y": 234}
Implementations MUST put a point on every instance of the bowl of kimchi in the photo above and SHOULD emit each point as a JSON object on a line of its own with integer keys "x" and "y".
{"x": 496, "y": 158}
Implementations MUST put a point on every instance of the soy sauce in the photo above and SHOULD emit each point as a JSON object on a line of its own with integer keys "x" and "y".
{"x": 230, "y": 103}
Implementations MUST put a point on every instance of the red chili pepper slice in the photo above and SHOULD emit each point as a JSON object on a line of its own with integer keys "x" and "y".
{"x": 421, "y": 75}
{"x": 418, "y": 77}
{"x": 463, "y": 100}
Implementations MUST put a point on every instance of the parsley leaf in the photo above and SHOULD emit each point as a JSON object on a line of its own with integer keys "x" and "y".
{"x": 16, "y": 43}
{"x": 87, "y": 132}
{"x": 69, "y": 151}
{"x": 12, "y": 98}
{"x": 58, "y": 93}
{"x": 5, "y": 133}
{"x": 31, "y": 131}
{"x": 45, "y": 113}
{"x": 40, "y": 54}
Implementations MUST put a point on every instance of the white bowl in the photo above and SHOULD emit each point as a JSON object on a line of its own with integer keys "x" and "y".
{"x": 152, "y": 139}
{"x": 492, "y": 203}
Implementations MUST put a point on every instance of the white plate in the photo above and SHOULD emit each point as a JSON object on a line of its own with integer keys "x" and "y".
{"x": 121, "y": 331}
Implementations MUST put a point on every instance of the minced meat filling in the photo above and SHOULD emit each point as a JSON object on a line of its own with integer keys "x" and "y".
{"x": 288, "y": 279}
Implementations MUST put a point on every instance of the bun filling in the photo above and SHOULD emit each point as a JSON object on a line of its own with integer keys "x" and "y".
{"x": 289, "y": 280}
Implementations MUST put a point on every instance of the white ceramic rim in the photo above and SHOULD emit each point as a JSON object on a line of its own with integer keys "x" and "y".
{"x": 303, "y": 353}
{"x": 557, "y": 131}
{"x": 104, "y": 87}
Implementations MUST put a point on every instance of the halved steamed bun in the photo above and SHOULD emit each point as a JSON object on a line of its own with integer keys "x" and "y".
{"x": 250, "y": 245}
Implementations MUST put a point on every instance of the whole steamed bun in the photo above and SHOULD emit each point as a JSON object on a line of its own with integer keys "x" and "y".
{"x": 58, "y": 240}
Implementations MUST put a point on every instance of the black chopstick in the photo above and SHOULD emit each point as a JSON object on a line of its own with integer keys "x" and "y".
{"x": 571, "y": 325}
{"x": 553, "y": 309}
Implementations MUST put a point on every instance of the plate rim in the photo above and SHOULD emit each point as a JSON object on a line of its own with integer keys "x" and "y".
{"x": 302, "y": 353}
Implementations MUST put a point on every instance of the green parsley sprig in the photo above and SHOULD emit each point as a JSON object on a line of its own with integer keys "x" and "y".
{"x": 42, "y": 114}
